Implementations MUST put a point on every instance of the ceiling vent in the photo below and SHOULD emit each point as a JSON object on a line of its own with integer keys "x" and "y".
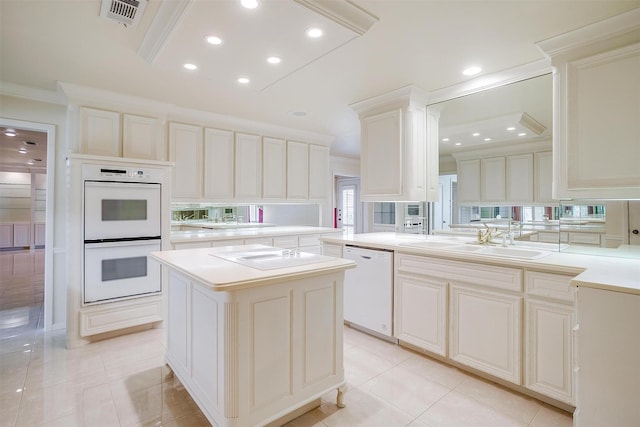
{"x": 125, "y": 12}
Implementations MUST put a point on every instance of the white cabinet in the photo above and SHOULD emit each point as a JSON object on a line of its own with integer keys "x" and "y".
{"x": 395, "y": 161}
{"x": 420, "y": 305}
{"x": 548, "y": 344}
{"x": 596, "y": 109}
{"x": 274, "y": 167}
{"x": 39, "y": 234}
{"x": 21, "y": 234}
{"x": 185, "y": 145}
{"x": 100, "y": 132}
{"x": 607, "y": 355}
{"x": 543, "y": 173}
{"x": 331, "y": 249}
{"x": 469, "y": 181}
{"x": 492, "y": 179}
{"x": 6, "y": 235}
{"x": 100, "y": 135}
{"x": 142, "y": 138}
{"x": 319, "y": 178}
{"x": 218, "y": 164}
{"x": 248, "y": 162}
{"x": 297, "y": 170}
{"x": 486, "y": 331}
{"x": 519, "y": 178}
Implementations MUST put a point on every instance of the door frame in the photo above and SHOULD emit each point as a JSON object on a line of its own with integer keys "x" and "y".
{"x": 358, "y": 217}
{"x": 50, "y": 130}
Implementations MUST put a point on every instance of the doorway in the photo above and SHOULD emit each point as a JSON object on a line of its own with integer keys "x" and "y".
{"x": 443, "y": 212}
{"x": 48, "y": 204}
{"x": 348, "y": 206}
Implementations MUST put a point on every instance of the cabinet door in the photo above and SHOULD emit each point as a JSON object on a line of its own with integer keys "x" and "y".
{"x": 297, "y": 170}
{"x": 319, "y": 178}
{"x": 185, "y": 142}
{"x": 421, "y": 312}
{"x": 543, "y": 176}
{"x": 469, "y": 181}
{"x": 6, "y": 235}
{"x": 218, "y": 164}
{"x": 178, "y": 314}
{"x": 485, "y": 331}
{"x": 39, "y": 233}
{"x": 548, "y": 352}
{"x": 142, "y": 138}
{"x": 99, "y": 132}
{"x": 248, "y": 182}
{"x": 520, "y": 178}
{"x": 381, "y": 154}
{"x": 21, "y": 235}
{"x": 274, "y": 166}
{"x": 492, "y": 179}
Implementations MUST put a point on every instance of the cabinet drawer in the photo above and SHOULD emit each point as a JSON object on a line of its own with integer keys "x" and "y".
{"x": 549, "y": 285}
{"x": 477, "y": 274}
{"x": 259, "y": 241}
{"x": 191, "y": 245}
{"x": 584, "y": 238}
{"x": 217, "y": 243}
{"x": 309, "y": 240}
{"x": 288, "y": 242}
{"x": 330, "y": 249}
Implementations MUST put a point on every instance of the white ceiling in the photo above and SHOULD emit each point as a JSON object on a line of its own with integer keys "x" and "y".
{"x": 424, "y": 43}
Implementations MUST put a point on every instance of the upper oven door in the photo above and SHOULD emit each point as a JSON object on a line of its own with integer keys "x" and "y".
{"x": 116, "y": 210}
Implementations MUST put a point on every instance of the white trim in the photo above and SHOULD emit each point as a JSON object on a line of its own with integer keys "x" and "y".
{"x": 342, "y": 12}
{"x": 26, "y": 92}
{"x": 50, "y": 130}
{"x": 167, "y": 18}
{"x": 490, "y": 81}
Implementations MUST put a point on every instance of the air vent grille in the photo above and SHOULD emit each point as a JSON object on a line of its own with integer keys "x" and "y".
{"x": 126, "y": 12}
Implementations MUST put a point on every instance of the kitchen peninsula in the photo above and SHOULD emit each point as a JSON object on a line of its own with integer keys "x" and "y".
{"x": 254, "y": 332}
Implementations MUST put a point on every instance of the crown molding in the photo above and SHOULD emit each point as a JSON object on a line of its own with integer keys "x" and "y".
{"x": 342, "y": 12}
{"x": 406, "y": 96}
{"x": 167, "y": 18}
{"x": 34, "y": 94}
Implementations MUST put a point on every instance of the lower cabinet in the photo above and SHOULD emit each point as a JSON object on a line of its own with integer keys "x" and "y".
{"x": 421, "y": 312}
{"x": 485, "y": 331}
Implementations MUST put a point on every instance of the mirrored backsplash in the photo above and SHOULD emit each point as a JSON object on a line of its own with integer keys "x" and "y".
{"x": 597, "y": 227}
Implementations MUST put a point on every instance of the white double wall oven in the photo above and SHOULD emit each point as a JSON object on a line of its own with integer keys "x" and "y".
{"x": 122, "y": 226}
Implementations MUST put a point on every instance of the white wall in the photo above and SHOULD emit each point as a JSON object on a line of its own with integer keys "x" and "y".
{"x": 15, "y": 108}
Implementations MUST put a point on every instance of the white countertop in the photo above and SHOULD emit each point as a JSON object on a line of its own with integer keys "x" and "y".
{"x": 242, "y": 233}
{"x": 223, "y": 275}
{"x": 620, "y": 274}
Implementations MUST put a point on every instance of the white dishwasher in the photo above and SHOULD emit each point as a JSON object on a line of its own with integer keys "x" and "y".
{"x": 368, "y": 290}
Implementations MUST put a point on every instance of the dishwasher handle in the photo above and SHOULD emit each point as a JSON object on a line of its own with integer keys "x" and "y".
{"x": 365, "y": 257}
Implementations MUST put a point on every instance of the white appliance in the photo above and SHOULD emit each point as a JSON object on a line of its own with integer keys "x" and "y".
{"x": 122, "y": 225}
{"x": 368, "y": 290}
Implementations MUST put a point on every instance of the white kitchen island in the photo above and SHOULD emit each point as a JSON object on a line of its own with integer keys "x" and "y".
{"x": 254, "y": 335}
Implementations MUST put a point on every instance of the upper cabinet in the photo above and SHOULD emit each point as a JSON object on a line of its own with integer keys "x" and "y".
{"x": 274, "y": 168}
{"x": 398, "y": 161}
{"x": 185, "y": 147}
{"x": 597, "y": 109}
{"x": 248, "y": 167}
{"x": 319, "y": 177}
{"x": 218, "y": 164}
{"x": 114, "y": 134}
{"x": 297, "y": 170}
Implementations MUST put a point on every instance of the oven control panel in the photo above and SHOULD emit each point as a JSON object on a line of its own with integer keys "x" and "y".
{"x": 116, "y": 173}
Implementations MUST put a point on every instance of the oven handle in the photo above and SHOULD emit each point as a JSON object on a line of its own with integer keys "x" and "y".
{"x": 110, "y": 243}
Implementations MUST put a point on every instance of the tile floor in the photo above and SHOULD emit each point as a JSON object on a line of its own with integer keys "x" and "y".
{"x": 124, "y": 382}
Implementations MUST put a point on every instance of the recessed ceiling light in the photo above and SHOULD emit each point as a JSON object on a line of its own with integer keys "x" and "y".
{"x": 298, "y": 113}
{"x": 476, "y": 134}
{"x": 471, "y": 71}
{"x": 22, "y": 151}
{"x": 10, "y": 132}
{"x": 314, "y": 32}
{"x": 445, "y": 139}
{"x": 458, "y": 143}
{"x": 214, "y": 40}
{"x": 487, "y": 139}
{"x": 249, "y": 4}
{"x": 190, "y": 66}
{"x": 274, "y": 60}
{"x": 243, "y": 80}
{"x": 522, "y": 134}
{"x": 511, "y": 128}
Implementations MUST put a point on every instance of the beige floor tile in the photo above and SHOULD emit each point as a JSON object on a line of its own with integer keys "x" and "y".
{"x": 307, "y": 420}
{"x": 549, "y": 416}
{"x": 361, "y": 365}
{"x": 456, "y": 410}
{"x": 435, "y": 370}
{"x": 12, "y": 384}
{"x": 47, "y": 404}
{"x": 98, "y": 408}
{"x": 9, "y": 410}
{"x": 513, "y": 405}
{"x": 139, "y": 407}
{"x": 410, "y": 393}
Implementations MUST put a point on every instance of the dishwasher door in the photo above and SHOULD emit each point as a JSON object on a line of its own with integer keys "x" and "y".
{"x": 368, "y": 290}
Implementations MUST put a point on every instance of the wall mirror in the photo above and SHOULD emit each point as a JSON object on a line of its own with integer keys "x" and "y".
{"x": 496, "y": 169}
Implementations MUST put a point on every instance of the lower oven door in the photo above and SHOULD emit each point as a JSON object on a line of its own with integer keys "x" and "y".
{"x": 120, "y": 270}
